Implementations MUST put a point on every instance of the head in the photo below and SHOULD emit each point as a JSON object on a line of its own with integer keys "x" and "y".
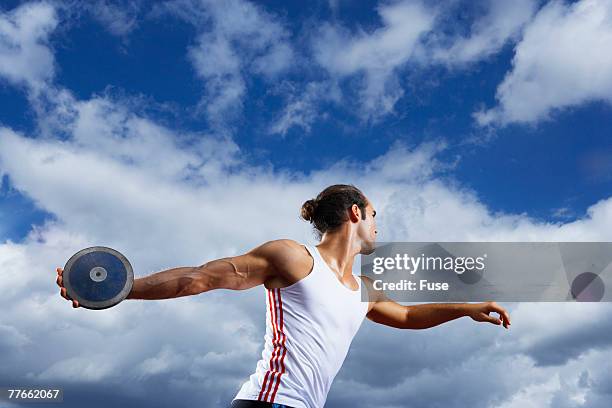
{"x": 343, "y": 208}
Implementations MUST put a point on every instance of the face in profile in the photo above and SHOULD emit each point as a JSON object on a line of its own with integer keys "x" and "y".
{"x": 367, "y": 231}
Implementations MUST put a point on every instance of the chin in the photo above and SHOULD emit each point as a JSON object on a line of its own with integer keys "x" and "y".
{"x": 368, "y": 248}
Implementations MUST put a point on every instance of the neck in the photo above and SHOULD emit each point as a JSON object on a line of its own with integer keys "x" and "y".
{"x": 338, "y": 251}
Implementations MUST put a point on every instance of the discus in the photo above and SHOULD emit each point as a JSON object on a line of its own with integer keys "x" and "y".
{"x": 98, "y": 277}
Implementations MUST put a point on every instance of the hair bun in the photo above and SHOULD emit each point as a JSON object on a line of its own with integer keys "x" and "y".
{"x": 308, "y": 209}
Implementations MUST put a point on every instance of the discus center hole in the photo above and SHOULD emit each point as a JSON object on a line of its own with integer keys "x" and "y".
{"x": 98, "y": 274}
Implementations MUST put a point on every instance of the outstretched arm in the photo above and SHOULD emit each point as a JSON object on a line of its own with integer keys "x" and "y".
{"x": 424, "y": 316}
{"x": 237, "y": 273}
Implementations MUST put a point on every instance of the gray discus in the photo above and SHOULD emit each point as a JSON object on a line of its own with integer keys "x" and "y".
{"x": 98, "y": 277}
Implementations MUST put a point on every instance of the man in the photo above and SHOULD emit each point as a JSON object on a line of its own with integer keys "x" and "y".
{"x": 313, "y": 301}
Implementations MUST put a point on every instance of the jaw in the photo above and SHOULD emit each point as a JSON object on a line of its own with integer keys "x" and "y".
{"x": 368, "y": 247}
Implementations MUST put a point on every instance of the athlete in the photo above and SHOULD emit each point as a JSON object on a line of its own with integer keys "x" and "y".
{"x": 313, "y": 300}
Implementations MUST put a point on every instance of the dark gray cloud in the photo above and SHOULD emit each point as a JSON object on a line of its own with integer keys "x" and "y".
{"x": 377, "y": 347}
{"x": 559, "y": 349}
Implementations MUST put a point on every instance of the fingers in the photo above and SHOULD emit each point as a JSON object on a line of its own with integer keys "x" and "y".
{"x": 60, "y": 283}
{"x": 75, "y": 303}
{"x": 482, "y": 310}
{"x": 63, "y": 293}
{"x": 491, "y": 319}
{"x": 59, "y": 279}
{"x": 494, "y": 307}
{"x": 505, "y": 318}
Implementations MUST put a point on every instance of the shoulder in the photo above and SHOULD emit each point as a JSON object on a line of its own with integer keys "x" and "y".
{"x": 374, "y": 295}
{"x": 288, "y": 260}
{"x": 280, "y": 246}
{"x": 282, "y": 252}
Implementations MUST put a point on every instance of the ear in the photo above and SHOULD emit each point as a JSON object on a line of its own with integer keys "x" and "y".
{"x": 354, "y": 213}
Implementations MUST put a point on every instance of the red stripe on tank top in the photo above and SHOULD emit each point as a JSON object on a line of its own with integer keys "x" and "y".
{"x": 284, "y": 350}
{"x": 272, "y": 319}
{"x": 276, "y": 353}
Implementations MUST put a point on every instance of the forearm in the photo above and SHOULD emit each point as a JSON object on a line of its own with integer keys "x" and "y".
{"x": 432, "y": 314}
{"x": 234, "y": 273}
{"x": 166, "y": 284}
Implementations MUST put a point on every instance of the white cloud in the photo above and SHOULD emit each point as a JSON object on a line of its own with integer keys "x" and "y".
{"x": 554, "y": 321}
{"x": 236, "y": 38}
{"x": 12, "y": 338}
{"x": 108, "y": 127}
{"x": 118, "y": 19}
{"x": 563, "y": 60}
{"x": 165, "y": 199}
{"x": 12, "y": 257}
{"x": 91, "y": 367}
{"x": 507, "y": 378}
{"x": 166, "y": 360}
{"x": 502, "y": 22}
{"x": 102, "y": 190}
{"x": 375, "y": 55}
{"x": 303, "y": 108}
{"x": 413, "y": 36}
{"x": 25, "y": 58}
{"x": 534, "y": 395}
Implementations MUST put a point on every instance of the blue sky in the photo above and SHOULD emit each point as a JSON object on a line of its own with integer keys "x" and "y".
{"x": 531, "y": 168}
{"x": 201, "y": 127}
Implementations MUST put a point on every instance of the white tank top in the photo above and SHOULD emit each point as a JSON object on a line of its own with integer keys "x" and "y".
{"x": 309, "y": 328}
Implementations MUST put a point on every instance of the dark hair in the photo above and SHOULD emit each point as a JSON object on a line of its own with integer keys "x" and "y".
{"x": 328, "y": 211}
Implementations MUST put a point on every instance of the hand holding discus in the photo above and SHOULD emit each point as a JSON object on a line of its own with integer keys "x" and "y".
{"x": 95, "y": 278}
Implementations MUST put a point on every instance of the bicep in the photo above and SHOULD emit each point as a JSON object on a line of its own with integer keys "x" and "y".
{"x": 384, "y": 311}
{"x": 389, "y": 313}
{"x": 240, "y": 272}
{"x": 236, "y": 272}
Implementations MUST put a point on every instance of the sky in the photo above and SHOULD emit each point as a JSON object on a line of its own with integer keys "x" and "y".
{"x": 182, "y": 131}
